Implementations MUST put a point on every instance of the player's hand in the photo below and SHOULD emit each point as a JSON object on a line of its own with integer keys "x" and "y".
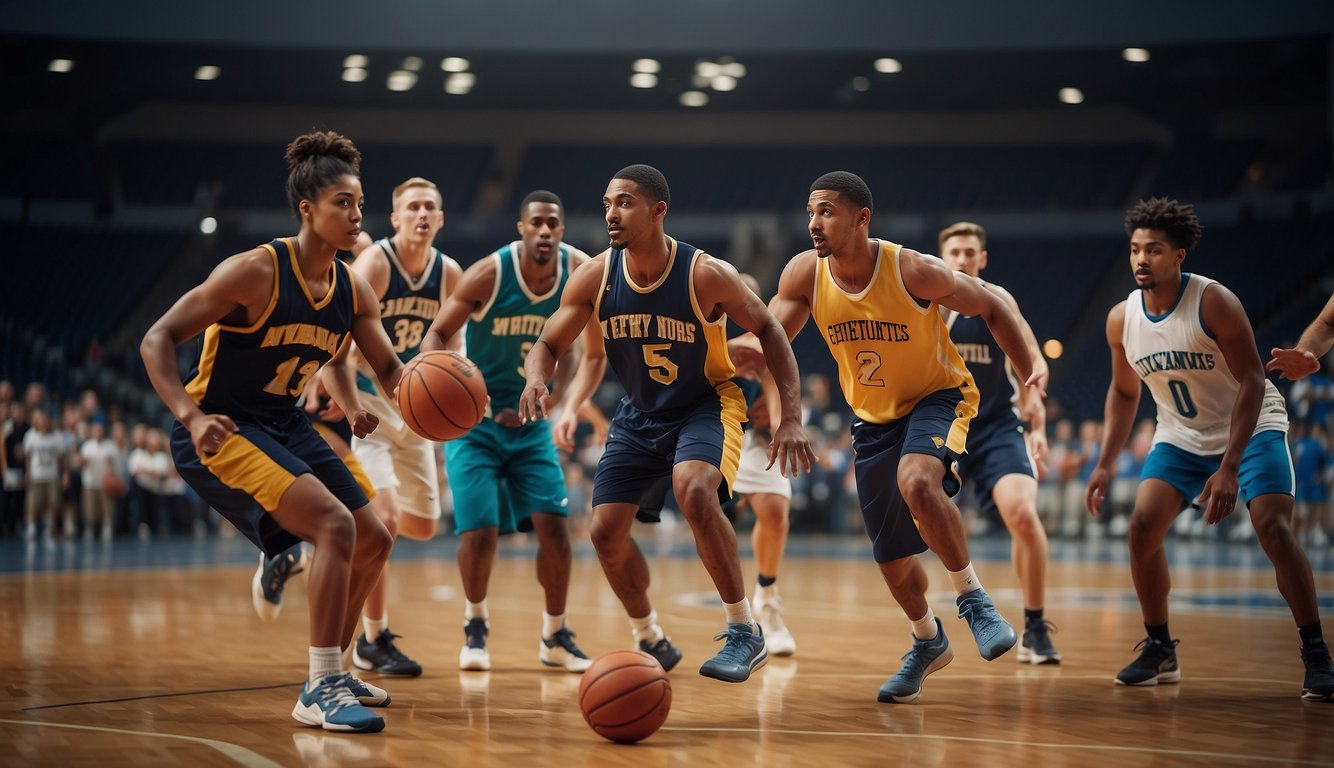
{"x": 1220, "y": 495}
{"x": 1037, "y": 445}
{"x": 791, "y": 448}
{"x": 1096, "y": 493}
{"x": 209, "y": 431}
{"x": 507, "y": 417}
{"x": 1038, "y": 382}
{"x": 592, "y": 414}
{"x": 562, "y": 430}
{"x": 363, "y": 423}
{"x": 331, "y": 411}
{"x": 533, "y": 403}
{"x": 747, "y": 356}
{"x": 1292, "y": 364}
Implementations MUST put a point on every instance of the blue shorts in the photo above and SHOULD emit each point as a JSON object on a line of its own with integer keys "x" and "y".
{"x": 642, "y": 449}
{"x": 246, "y": 479}
{"x": 1266, "y": 467}
{"x": 994, "y": 451}
{"x": 1312, "y": 492}
{"x": 878, "y": 448}
{"x": 501, "y": 476}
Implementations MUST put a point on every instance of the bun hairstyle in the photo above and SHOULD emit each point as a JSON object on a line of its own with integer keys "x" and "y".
{"x": 317, "y": 160}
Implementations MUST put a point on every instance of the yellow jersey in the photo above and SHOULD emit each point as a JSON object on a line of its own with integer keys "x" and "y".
{"x": 891, "y": 351}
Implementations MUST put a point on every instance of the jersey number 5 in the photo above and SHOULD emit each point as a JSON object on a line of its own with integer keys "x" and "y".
{"x": 660, "y": 368}
{"x": 283, "y": 376}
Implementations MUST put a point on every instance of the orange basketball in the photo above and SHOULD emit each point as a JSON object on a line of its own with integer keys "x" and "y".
{"x": 625, "y": 696}
{"x": 441, "y": 395}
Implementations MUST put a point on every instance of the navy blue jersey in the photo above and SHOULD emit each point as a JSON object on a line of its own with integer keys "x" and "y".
{"x": 991, "y": 371}
{"x": 410, "y": 303}
{"x": 665, "y": 353}
{"x": 257, "y": 373}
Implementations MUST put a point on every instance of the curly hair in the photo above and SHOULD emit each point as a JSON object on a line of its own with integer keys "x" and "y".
{"x": 1176, "y": 219}
{"x": 317, "y": 160}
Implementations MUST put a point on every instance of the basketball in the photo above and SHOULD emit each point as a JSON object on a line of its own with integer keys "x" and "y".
{"x": 625, "y": 696}
{"x": 441, "y": 395}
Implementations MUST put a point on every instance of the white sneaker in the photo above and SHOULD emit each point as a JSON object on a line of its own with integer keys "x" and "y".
{"x": 559, "y": 650}
{"x": 777, "y": 638}
{"x": 473, "y": 655}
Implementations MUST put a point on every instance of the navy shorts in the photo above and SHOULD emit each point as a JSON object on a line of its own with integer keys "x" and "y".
{"x": 994, "y": 451}
{"x": 642, "y": 448}
{"x": 246, "y": 479}
{"x": 878, "y": 447}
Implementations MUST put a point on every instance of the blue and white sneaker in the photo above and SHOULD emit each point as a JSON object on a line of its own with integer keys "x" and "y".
{"x": 331, "y": 705}
{"x": 266, "y": 588}
{"x": 743, "y": 652}
{"x": 366, "y": 694}
{"x": 559, "y": 650}
{"x": 993, "y": 634}
{"x": 925, "y": 657}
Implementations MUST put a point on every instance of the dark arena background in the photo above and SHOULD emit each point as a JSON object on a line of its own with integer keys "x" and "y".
{"x": 144, "y": 143}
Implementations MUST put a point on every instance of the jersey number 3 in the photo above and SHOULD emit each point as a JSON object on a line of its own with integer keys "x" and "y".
{"x": 660, "y": 368}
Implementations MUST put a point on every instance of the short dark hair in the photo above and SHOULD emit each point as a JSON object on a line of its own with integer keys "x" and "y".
{"x": 317, "y": 160}
{"x": 540, "y": 196}
{"x": 649, "y": 179}
{"x": 849, "y": 186}
{"x": 1176, "y": 219}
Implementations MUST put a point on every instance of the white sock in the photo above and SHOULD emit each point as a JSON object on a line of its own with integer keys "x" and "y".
{"x": 374, "y": 627}
{"x": 646, "y": 629}
{"x": 965, "y": 580}
{"x": 325, "y": 661}
{"x": 739, "y": 613}
{"x": 473, "y": 610}
{"x": 551, "y": 624}
{"x": 925, "y": 627}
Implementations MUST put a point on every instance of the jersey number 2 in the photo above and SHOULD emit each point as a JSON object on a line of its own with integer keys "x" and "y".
{"x": 283, "y": 376}
{"x": 868, "y": 366}
{"x": 660, "y": 368}
{"x": 1181, "y": 397}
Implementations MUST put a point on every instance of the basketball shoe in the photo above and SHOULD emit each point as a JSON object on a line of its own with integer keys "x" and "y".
{"x": 473, "y": 655}
{"x": 768, "y": 614}
{"x": 1036, "y": 647}
{"x": 743, "y": 652}
{"x": 266, "y": 588}
{"x": 367, "y": 695}
{"x": 993, "y": 634}
{"x": 383, "y": 656}
{"x": 667, "y": 654}
{"x": 330, "y": 704}
{"x": 559, "y": 650}
{"x": 1319, "y": 682}
{"x": 1157, "y": 663}
{"x": 925, "y": 657}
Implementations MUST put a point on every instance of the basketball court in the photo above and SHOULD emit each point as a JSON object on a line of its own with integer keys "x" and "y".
{"x": 150, "y": 652}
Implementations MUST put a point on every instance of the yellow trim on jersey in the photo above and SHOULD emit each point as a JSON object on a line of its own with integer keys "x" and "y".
{"x": 732, "y": 414}
{"x": 625, "y": 269}
{"x": 602, "y": 291}
{"x": 197, "y": 387}
{"x": 268, "y": 310}
{"x": 349, "y": 458}
{"x": 350, "y": 284}
{"x": 301, "y": 279}
{"x": 241, "y": 465}
{"x": 718, "y": 366}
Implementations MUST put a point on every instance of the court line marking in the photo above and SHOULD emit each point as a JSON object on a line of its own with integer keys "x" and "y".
{"x": 160, "y": 696}
{"x": 1013, "y": 743}
{"x": 234, "y": 751}
{"x": 1022, "y": 675}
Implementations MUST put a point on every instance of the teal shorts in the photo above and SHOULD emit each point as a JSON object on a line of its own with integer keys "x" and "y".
{"x": 500, "y": 477}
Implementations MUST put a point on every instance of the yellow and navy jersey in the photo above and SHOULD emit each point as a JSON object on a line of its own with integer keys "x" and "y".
{"x": 410, "y": 303}
{"x": 997, "y": 381}
{"x": 665, "y": 352}
{"x": 257, "y": 373}
{"x": 891, "y": 351}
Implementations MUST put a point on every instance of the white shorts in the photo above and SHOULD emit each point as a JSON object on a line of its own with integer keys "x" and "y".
{"x": 397, "y": 458}
{"x": 752, "y": 477}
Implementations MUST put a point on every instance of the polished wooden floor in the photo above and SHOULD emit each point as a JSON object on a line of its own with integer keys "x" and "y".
{"x": 149, "y": 653}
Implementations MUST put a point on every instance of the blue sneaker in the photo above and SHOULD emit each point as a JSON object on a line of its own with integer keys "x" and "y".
{"x": 1319, "y": 682}
{"x": 994, "y": 634}
{"x": 266, "y": 588}
{"x": 331, "y": 705}
{"x": 743, "y": 652}
{"x": 1157, "y": 663}
{"x": 667, "y": 654}
{"x": 925, "y": 657}
{"x": 367, "y": 695}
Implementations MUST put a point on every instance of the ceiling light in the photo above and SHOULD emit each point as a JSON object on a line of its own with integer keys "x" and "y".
{"x": 888, "y": 66}
{"x": 694, "y": 98}
{"x": 460, "y": 83}
{"x": 354, "y": 75}
{"x": 1135, "y": 55}
{"x": 401, "y": 80}
{"x": 412, "y": 63}
{"x": 1053, "y": 348}
{"x": 647, "y": 66}
{"x": 208, "y": 225}
{"x": 208, "y": 72}
{"x": 455, "y": 64}
{"x": 733, "y": 69}
{"x": 707, "y": 69}
{"x": 861, "y": 84}
{"x": 724, "y": 83}
{"x": 60, "y": 65}
{"x": 643, "y": 80}
{"x": 1071, "y": 96}
{"x": 355, "y": 61}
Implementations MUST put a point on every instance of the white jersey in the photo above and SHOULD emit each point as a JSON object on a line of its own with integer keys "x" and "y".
{"x": 1183, "y": 367}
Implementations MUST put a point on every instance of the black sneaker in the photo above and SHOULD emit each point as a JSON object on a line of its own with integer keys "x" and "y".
{"x": 383, "y": 656}
{"x": 559, "y": 650}
{"x": 266, "y": 587}
{"x": 1319, "y": 682}
{"x": 1157, "y": 663}
{"x": 1035, "y": 647}
{"x": 667, "y": 654}
{"x": 473, "y": 655}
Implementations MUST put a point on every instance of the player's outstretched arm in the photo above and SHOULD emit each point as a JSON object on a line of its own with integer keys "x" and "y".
{"x": 369, "y": 336}
{"x": 1304, "y": 359}
{"x": 578, "y": 397}
{"x": 559, "y": 332}
{"x": 472, "y": 292}
{"x": 1118, "y": 412}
